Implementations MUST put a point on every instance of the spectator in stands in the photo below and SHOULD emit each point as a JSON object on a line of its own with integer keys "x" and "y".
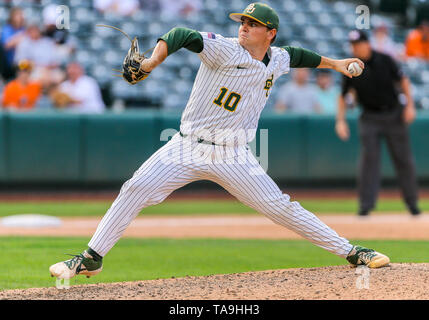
{"x": 119, "y": 7}
{"x": 22, "y": 93}
{"x": 37, "y": 48}
{"x": 327, "y": 93}
{"x": 417, "y": 42}
{"x": 42, "y": 52}
{"x": 12, "y": 34}
{"x": 382, "y": 42}
{"x": 183, "y": 8}
{"x": 382, "y": 118}
{"x": 298, "y": 96}
{"x": 79, "y": 93}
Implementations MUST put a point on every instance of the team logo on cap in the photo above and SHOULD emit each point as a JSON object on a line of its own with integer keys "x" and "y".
{"x": 250, "y": 8}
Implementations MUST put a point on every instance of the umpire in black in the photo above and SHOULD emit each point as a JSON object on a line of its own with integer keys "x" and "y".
{"x": 382, "y": 117}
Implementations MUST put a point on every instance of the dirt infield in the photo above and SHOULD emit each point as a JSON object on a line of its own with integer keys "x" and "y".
{"x": 397, "y": 281}
{"x": 394, "y": 226}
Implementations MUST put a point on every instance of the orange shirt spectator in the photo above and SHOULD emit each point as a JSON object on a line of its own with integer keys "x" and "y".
{"x": 22, "y": 93}
{"x": 417, "y": 43}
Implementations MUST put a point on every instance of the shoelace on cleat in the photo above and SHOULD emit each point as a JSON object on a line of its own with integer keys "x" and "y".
{"x": 74, "y": 261}
{"x": 366, "y": 256}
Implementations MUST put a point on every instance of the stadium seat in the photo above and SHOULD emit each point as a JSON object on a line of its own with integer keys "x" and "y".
{"x": 80, "y": 3}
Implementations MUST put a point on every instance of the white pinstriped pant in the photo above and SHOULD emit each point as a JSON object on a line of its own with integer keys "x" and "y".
{"x": 183, "y": 160}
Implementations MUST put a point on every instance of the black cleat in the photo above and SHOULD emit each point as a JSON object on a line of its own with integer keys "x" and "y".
{"x": 363, "y": 212}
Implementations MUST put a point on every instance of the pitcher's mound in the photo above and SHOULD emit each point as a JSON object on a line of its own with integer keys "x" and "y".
{"x": 397, "y": 281}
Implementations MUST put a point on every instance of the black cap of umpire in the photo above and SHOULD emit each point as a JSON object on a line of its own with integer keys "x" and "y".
{"x": 356, "y": 36}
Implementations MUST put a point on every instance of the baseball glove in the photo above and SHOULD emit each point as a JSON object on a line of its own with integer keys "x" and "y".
{"x": 132, "y": 70}
{"x": 60, "y": 99}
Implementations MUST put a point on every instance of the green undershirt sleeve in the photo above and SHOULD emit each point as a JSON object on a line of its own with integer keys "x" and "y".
{"x": 187, "y": 38}
{"x": 302, "y": 58}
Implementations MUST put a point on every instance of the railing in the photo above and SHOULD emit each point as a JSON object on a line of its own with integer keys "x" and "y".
{"x": 83, "y": 149}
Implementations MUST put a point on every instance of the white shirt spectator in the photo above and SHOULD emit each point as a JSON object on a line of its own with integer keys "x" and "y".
{"x": 42, "y": 52}
{"x": 86, "y": 90}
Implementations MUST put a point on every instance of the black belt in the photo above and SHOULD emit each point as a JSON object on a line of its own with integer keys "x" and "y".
{"x": 199, "y": 140}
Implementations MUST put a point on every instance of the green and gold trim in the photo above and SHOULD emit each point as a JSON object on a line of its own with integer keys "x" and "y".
{"x": 259, "y": 12}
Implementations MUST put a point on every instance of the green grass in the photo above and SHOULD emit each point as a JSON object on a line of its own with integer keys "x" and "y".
{"x": 192, "y": 207}
{"x": 25, "y": 261}
{"x": 99, "y": 208}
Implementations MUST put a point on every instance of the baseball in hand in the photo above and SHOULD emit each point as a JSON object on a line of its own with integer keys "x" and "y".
{"x": 354, "y": 69}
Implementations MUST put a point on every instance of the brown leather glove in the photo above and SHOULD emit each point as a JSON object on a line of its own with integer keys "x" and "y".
{"x": 132, "y": 65}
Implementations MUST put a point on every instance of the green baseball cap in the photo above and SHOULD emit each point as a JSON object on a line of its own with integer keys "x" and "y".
{"x": 260, "y": 12}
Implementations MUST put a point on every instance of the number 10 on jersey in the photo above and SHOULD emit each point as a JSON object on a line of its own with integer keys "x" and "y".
{"x": 231, "y": 101}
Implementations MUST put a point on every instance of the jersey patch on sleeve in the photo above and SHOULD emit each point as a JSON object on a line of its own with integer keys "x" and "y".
{"x": 211, "y": 35}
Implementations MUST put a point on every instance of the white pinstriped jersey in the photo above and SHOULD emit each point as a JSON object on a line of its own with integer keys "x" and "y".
{"x": 230, "y": 91}
{"x": 228, "y": 99}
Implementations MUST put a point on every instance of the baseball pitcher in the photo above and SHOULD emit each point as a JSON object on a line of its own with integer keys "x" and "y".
{"x": 231, "y": 88}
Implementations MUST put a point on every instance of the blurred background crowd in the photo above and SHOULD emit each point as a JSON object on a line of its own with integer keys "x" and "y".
{"x": 43, "y": 67}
